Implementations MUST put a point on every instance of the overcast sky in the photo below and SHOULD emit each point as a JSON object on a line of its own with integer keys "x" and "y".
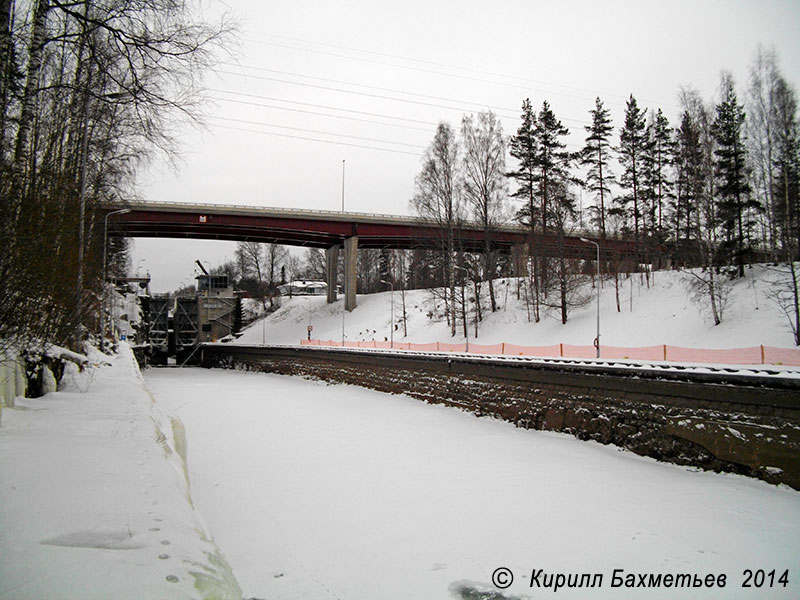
{"x": 367, "y": 82}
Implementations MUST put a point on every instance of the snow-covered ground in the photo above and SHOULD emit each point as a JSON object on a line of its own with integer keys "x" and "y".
{"x": 318, "y": 491}
{"x": 661, "y": 314}
{"x": 94, "y": 499}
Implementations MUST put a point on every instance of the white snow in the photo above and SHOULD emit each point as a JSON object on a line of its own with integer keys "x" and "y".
{"x": 319, "y": 491}
{"x": 661, "y": 314}
{"x": 94, "y": 501}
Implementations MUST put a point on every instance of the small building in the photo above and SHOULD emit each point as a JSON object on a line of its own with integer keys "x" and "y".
{"x": 215, "y": 285}
{"x": 304, "y": 288}
{"x": 215, "y": 306}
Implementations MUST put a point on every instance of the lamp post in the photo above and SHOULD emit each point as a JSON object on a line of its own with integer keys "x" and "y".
{"x": 597, "y": 286}
{"x": 121, "y": 211}
{"x": 391, "y": 324}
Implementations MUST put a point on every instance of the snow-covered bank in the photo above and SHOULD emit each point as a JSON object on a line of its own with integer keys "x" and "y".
{"x": 661, "y": 314}
{"x": 318, "y": 491}
{"x": 94, "y": 498}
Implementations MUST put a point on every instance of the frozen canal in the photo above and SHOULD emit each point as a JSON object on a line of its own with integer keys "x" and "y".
{"x": 318, "y": 491}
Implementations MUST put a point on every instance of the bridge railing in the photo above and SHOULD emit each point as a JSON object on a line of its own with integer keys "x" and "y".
{"x": 753, "y": 355}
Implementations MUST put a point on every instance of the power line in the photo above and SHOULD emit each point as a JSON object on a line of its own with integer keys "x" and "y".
{"x": 257, "y": 104}
{"x": 514, "y": 112}
{"x": 591, "y": 93}
{"x": 333, "y": 89}
{"x": 375, "y": 87}
{"x": 451, "y": 75}
{"x": 318, "y": 132}
{"x": 359, "y": 112}
{"x": 298, "y": 137}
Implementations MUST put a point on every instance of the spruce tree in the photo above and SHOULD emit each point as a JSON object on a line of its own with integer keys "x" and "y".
{"x": 596, "y": 155}
{"x": 730, "y": 166}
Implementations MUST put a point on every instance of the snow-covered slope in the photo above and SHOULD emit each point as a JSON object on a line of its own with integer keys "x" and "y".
{"x": 662, "y": 313}
{"x": 94, "y": 496}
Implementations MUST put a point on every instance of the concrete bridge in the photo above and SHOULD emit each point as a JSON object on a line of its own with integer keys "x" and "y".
{"x": 334, "y": 230}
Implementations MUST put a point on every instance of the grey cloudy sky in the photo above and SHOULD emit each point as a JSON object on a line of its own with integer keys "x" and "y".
{"x": 366, "y": 82}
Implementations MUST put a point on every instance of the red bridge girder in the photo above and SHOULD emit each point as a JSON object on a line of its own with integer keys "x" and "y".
{"x": 318, "y": 229}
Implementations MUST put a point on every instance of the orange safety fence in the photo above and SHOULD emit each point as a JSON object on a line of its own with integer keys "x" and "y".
{"x": 547, "y": 351}
{"x": 732, "y": 356}
{"x": 641, "y": 353}
{"x": 753, "y": 355}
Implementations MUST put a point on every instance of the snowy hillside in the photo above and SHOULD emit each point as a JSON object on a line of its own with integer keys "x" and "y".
{"x": 663, "y": 313}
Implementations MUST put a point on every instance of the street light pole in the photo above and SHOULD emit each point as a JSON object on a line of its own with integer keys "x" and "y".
{"x": 391, "y": 325}
{"x": 121, "y": 211}
{"x": 597, "y": 286}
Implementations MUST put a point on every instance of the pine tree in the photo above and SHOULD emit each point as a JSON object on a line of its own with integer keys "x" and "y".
{"x": 553, "y": 161}
{"x": 631, "y": 147}
{"x": 524, "y": 147}
{"x": 596, "y": 155}
{"x": 689, "y": 180}
{"x": 663, "y": 150}
{"x": 730, "y": 166}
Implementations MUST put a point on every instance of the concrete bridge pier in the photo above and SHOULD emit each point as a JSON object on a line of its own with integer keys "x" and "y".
{"x": 350, "y": 263}
{"x": 331, "y": 262}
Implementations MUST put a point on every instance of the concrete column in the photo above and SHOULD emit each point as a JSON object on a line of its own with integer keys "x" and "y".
{"x": 350, "y": 263}
{"x": 331, "y": 261}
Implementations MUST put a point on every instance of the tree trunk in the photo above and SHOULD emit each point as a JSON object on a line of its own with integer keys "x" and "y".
{"x": 28, "y": 110}
{"x": 30, "y": 93}
{"x": 712, "y": 291}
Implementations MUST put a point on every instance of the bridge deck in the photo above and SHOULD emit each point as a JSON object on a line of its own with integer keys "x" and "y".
{"x": 324, "y": 229}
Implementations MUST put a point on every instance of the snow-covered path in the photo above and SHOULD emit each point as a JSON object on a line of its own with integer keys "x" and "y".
{"x": 318, "y": 491}
{"x": 94, "y": 501}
